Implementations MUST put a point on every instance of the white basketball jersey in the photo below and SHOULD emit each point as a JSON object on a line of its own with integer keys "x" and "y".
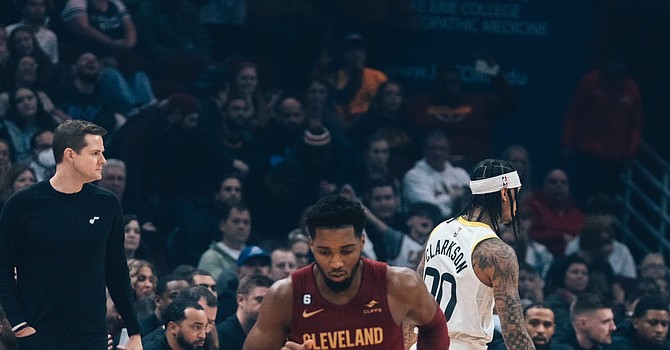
{"x": 448, "y": 274}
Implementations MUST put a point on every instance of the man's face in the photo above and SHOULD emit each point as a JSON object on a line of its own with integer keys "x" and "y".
{"x": 556, "y": 186}
{"x": 254, "y": 266}
{"x": 237, "y": 227}
{"x": 238, "y": 112}
{"x": 26, "y": 72}
{"x": 283, "y": 264}
{"x": 191, "y": 331}
{"x": 89, "y": 161}
{"x": 383, "y": 202}
{"x": 337, "y": 252}
{"x": 301, "y": 251}
{"x": 247, "y": 80}
{"x": 113, "y": 179}
{"x": 599, "y": 325}
{"x": 652, "y": 327}
{"x": 252, "y": 302}
{"x": 26, "y": 102}
{"x": 210, "y": 311}
{"x": 436, "y": 152}
{"x": 230, "y": 191}
{"x": 378, "y": 153}
{"x": 171, "y": 291}
{"x": 540, "y": 325}
{"x": 291, "y": 115}
{"x": 392, "y": 97}
{"x": 205, "y": 281}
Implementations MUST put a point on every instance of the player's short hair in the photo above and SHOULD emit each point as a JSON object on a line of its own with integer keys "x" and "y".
{"x": 335, "y": 211}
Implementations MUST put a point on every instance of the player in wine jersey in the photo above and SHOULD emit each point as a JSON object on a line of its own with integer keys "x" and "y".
{"x": 468, "y": 269}
{"x": 342, "y": 301}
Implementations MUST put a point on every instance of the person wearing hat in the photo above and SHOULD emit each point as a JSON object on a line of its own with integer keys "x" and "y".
{"x": 470, "y": 270}
{"x": 253, "y": 260}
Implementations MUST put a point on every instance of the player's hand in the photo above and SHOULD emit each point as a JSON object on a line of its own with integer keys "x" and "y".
{"x": 24, "y": 332}
{"x": 110, "y": 342}
{"x": 307, "y": 345}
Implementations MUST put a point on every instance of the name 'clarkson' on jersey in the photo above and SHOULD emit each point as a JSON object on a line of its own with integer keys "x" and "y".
{"x": 345, "y": 339}
{"x": 449, "y": 249}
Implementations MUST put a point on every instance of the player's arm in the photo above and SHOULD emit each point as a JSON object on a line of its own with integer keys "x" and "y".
{"x": 496, "y": 265}
{"x": 412, "y": 303}
{"x": 274, "y": 318}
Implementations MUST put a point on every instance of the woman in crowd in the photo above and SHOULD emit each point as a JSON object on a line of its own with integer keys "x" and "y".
{"x": 18, "y": 176}
{"x": 143, "y": 279}
{"x": 25, "y": 116}
{"x": 21, "y": 43}
{"x": 132, "y": 235}
{"x": 566, "y": 279}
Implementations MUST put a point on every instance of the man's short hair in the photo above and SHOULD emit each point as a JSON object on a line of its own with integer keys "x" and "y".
{"x": 198, "y": 272}
{"x": 585, "y": 303}
{"x": 225, "y": 210}
{"x": 71, "y": 134}
{"x": 196, "y": 293}
{"x": 161, "y": 285}
{"x": 335, "y": 211}
{"x": 248, "y": 283}
{"x": 175, "y": 312}
{"x": 649, "y": 302}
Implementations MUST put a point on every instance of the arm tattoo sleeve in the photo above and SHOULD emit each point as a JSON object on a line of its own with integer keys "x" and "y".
{"x": 499, "y": 261}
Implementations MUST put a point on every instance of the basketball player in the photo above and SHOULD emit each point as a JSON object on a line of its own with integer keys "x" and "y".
{"x": 341, "y": 300}
{"x": 468, "y": 269}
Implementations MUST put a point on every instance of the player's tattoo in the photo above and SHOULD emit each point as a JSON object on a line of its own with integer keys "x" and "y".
{"x": 495, "y": 255}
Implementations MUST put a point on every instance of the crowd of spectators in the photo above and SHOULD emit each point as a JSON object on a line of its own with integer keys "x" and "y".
{"x": 222, "y": 133}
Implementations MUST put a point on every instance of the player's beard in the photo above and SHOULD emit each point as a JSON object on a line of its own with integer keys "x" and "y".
{"x": 339, "y": 287}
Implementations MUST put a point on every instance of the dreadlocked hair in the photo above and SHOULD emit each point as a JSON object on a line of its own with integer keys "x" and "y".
{"x": 491, "y": 203}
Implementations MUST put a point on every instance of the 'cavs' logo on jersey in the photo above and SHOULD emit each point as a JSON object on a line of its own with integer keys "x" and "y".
{"x": 458, "y": 230}
{"x": 371, "y": 309}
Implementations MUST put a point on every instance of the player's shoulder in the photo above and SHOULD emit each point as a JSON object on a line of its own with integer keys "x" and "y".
{"x": 494, "y": 253}
{"x": 402, "y": 279}
{"x": 282, "y": 290}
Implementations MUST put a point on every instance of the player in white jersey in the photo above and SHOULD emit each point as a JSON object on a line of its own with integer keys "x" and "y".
{"x": 469, "y": 270}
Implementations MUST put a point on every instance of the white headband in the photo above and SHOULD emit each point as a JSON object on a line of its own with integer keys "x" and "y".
{"x": 496, "y": 183}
